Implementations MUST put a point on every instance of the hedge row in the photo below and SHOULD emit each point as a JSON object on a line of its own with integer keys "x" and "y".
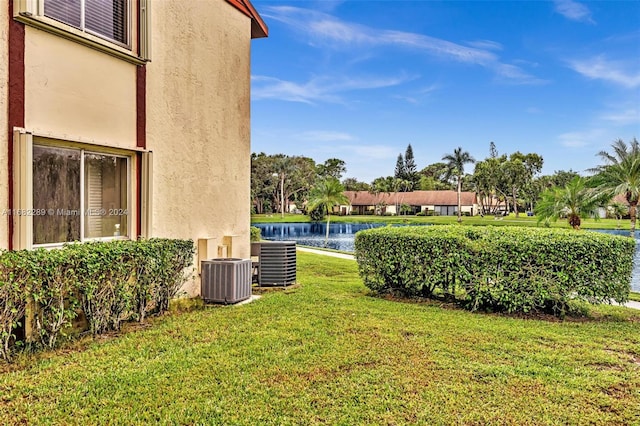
{"x": 108, "y": 282}
{"x": 498, "y": 269}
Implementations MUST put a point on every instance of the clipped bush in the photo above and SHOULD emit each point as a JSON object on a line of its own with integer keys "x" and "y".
{"x": 256, "y": 234}
{"x": 109, "y": 282}
{"x": 497, "y": 269}
{"x": 16, "y": 285}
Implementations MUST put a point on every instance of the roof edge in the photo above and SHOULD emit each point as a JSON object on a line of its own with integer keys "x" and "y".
{"x": 258, "y": 27}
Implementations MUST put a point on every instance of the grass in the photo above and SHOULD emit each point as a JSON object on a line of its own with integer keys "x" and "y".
{"x": 329, "y": 353}
{"x": 510, "y": 220}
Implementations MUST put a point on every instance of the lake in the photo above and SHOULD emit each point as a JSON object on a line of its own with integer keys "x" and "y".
{"x": 341, "y": 237}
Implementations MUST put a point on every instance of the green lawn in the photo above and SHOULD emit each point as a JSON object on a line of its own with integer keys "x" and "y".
{"x": 511, "y": 220}
{"x": 329, "y": 353}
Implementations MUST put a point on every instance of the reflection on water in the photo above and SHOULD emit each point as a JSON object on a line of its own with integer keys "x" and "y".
{"x": 341, "y": 236}
{"x": 635, "y": 275}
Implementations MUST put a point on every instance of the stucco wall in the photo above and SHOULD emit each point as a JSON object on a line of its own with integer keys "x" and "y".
{"x": 78, "y": 93}
{"x": 4, "y": 130}
{"x": 198, "y": 104}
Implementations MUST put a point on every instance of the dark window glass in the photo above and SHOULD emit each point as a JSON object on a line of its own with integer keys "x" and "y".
{"x": 56, "y": 190}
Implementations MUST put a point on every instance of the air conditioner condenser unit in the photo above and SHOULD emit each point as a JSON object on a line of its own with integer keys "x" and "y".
{"x": 225, "y": 280}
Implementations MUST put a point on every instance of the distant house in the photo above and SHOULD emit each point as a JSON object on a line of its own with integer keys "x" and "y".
{"x": 441, "y": 203}
{"x": 124, "y": 119}
{"x": 608, "y": 211}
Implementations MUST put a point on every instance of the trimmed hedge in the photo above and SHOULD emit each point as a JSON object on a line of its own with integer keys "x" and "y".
{"x": 108, "y": 282}
{"x": 497, "y": 269}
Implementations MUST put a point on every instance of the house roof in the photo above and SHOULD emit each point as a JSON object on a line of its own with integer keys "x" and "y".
{"x": 258, "y": 27}
{"x": 414, "y": 198}
{"x": 620, "y": 198}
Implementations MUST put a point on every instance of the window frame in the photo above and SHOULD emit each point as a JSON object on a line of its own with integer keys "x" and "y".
{"x": 130, "y": 189}
{"x": 23, "y": 142}
{"x": 31, "y": 12}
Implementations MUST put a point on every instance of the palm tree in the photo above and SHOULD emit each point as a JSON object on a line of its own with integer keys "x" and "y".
{"x": 575, "y": 199}
{"x": 621, "y": 175}
{"x": 455, "y": 167}
{"x": 325, "y": 195}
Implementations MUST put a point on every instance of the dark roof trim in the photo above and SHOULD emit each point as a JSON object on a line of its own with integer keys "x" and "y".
{"x": 258, "y": 27}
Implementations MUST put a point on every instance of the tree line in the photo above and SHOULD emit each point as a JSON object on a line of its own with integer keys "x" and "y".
{"x": 279, "y": 179}
{"x": 503, "y": 182}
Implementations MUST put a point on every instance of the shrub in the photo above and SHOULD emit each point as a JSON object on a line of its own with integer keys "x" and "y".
{"x": 16, "y": 285}
{"x": 317, "y": 214}
{"x": 109, "y": 282}
{"x": 498, "y": 269}
{"x": 256, "y": 234}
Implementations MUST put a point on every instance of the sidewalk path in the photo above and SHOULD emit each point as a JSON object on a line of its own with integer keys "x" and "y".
{"x": 326, "y": 253}
{"x": 631, "y": 304}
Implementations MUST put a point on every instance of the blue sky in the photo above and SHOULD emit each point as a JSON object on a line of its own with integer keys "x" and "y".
{"x": 360, "y": 80}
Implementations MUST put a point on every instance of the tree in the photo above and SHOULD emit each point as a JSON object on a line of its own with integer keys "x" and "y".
{"x": 517, "y": 173}
{"x": 561, "y": 177}
{"x": 487, "y": 179}
{"x": 333, "y": 167}
{"x": 326, "y": 194}
{"x": 618, "y": 210}
{"x": 455, "y": 167}
{"x": 493, "y": 151}
{"x": 277, "y": 179}
{"x": 620, "y": 174}
{"x": 400, "y": 186}
{"x": 400, "y": 171}
{"x": 263, "y": 183}
{"x": 352, "y": 184}
{"x": 383, "y": 184}
{"x": 434, "y": 177}
{"x": 410, "y": 169}
{"x": 575, "y": 200}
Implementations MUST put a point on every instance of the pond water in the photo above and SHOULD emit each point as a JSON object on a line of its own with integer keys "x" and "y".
{"x": 341, "y": 237}
{"x": 635, "y": 275}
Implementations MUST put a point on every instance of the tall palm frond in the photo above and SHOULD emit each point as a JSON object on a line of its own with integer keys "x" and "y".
{"x": 455, "y": 167}
{"x": 620, "y": 174}
{"x": 326, "y": 194}
{"x": 575, "y": 200}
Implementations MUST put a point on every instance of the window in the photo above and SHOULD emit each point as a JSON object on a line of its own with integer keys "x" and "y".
{"x": 117, "y": 27}
{"x": 105, "y": 18}
{"x": 79, "y": 195}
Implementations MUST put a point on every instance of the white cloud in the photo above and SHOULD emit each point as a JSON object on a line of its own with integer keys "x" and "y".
{"x": 573, "y": 10}
{"x": 485, "y": 44}
{"x": 417, "y": 96}
{"x": 600, "y": 68}
{"x": 325, "y": 136}
{"x": 580, "y": 139}
{"x": 625, "y": 116}
{"x": 319, "y": 88}
{"x": 373, "y": 152}
{"x": 322, "y": 28}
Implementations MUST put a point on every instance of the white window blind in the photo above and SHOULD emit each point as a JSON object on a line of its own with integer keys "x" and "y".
{"x": 93, "y": 199}
{"x": 106, "y": 18}
{"x": 67, "y": 11}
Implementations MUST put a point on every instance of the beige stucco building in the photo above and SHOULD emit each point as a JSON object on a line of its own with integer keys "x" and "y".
{"x": 126, "y": 118}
